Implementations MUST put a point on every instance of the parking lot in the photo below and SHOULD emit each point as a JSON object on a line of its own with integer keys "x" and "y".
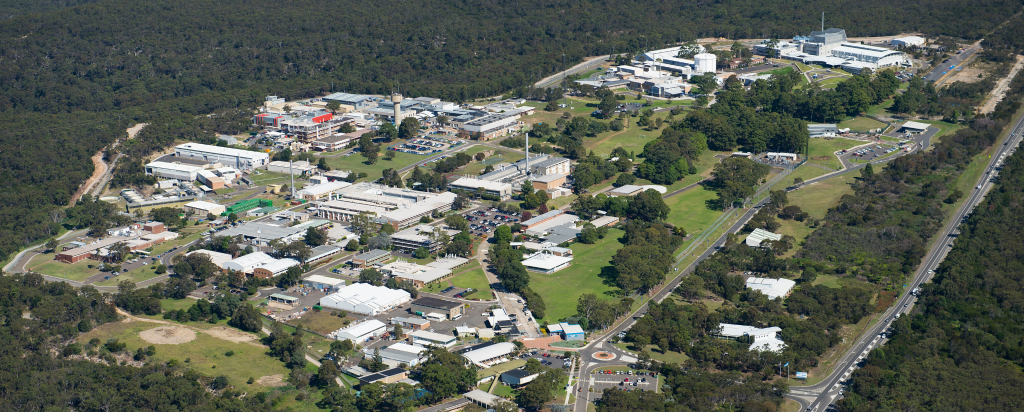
{"x": 482, "y": 221}
{"x": 621, "y": 380}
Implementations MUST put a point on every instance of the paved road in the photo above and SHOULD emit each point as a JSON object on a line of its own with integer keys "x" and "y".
{"x": 590, "y": 63}
{"x": 955, "y": 60}
{"x": 818, "y": 397}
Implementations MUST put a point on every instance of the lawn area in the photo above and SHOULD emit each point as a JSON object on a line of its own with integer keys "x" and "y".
{"x": 224, "y": 190}
{"x": 476, "y": 168}
{"x": 880, "y": 109}
{"x": 822, "y": 150}
{"x": 945, "y": 128}
{"x": 817, "y": 198}
{"x": 798, "y": 230}
{"x": 500, "y": 368}
{"x": 357, "y": 163}
{"x": 780, "y": 70}
{"x": 205, "y": 354}
{"x": 561, "y": 290}
{"x": 474, "y": 278}
{"x": 832, "y": 82}
{"x": 44, "y": 263}
{"x": 632, "y": 139}
{"x": 861, "y": 124}
{"x": 804, "y": 172}
{"x": 656, "y": 354}
{"x": 689, "y": 210}
{"x": 322, "y": 322}
{"x": 266, "y": 177}
{"x": 827, "y": 280}
{"x": 503, "y": 390}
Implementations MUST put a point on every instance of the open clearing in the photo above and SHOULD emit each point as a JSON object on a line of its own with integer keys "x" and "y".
{"x": 168, "y": 335}
{"x": 861, "y": 124}
{"x": 817, "y": 198}
{"x": 588, "y": 274}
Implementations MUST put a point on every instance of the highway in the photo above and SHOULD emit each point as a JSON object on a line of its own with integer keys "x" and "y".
{"x": 818, "y": 397}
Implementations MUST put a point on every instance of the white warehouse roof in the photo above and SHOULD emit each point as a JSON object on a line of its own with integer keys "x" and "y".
{"x": 490, "y": 352}
{"x": 324, "y": 280}
{"x": 773, "y": 288}
{"x": 322, "y": 189}
{"x": 248, "y": 262}
{"x": 354, "y": 332}
{"x": 365, "y": 298}
{"x": 755, "y": 238}
{"x": 217, "y": 258}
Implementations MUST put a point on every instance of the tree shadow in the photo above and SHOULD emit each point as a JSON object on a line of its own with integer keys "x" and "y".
{"x": 609, "y": 275}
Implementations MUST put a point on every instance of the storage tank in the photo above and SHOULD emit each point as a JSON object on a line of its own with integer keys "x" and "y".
{"x": 397, "y": 100}
{"x": 704, "y": 63}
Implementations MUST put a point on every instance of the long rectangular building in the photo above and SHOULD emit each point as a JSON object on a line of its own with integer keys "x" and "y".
{"x": 398, "y": 207}
{"x": 239, "y": 159}
{"x": 501, "y": 190}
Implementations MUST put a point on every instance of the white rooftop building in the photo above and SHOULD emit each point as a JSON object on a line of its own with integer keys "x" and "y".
{"x": 360, "y": 332}
{"x": 755, "y": 238}
{"x": 317, "y": 192}
{"x": 239, "y": 159}
{"x": 177, "y": 171}
{"x": 501, "y": 190}
{"x": 546, "y": 262}
{"x": 247, "y": 263}
{"x": 217, "y": 258}
{"x": 908, "y": 41}
{"x": 490, "y": 355}
{"x": 773, "y": 288}
{"x": 427, "y": 338}
{"x": 364, "y": 298}
{"x": 764, "y": 339}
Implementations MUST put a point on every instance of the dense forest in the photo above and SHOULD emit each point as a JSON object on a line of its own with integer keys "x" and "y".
{"x": 960, "y": 349}
{"x": 75, "y": 74}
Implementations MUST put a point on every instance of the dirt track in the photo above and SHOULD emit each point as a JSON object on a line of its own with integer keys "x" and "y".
{"x": 99, "y": 169}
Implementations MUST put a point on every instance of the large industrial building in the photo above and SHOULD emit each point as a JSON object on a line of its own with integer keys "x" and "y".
{"x": 239, "y": 159}
{"x": 398, "y": 207}
{"x": 831, "y": 48}
{"x": 762, "y": 339}
{"x": 365, "y": 299}
{"x": 490, "y": 126}
{"x": 500, "y": 190}
{"x": 177, "y": 171}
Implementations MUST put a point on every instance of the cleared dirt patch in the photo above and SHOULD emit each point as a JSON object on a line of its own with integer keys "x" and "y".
{"x": 271, "y": 380}
{"x": 134, "y": 130}
{"x": 231, "y": 335}
{"x": 168, "y": 335}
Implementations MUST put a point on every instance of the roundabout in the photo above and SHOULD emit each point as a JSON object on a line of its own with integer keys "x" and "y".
{"x": 603, "y": 356}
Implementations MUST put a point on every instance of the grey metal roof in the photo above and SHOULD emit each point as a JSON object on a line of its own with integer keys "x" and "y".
{"x": 371, "y": 255}
{"x": 268, "y": 231}
{"x": 563, "y": 233}
{"x": 436, "y": 303}
{"x": 347, "y": 97}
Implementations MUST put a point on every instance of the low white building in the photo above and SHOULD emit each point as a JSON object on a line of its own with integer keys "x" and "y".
{"x": 762, "y": 339}
{"x": 501, "y": 190}
{"x": 360, "y": 332}
{"x": 299, "y": 168}
{"x": 217, "y": 258}
{"x": 547, "y": 262}
{"x": 364, "y": 298}
{"x": 317, "y": 192}
{"x": 486, "y": 355}
{"x": 177, "y": 171}
{"x": 773, "y": 288}
{"x": 246, "y": 264}
{"x": 755, "y": 238}
{"x": 320, "y": 282}
{"x": 908, "y": 41}
{"x": 204, "y": 208}
{"x": 427, "y": 338}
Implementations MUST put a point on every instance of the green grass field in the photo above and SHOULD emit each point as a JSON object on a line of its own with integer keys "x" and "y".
{"x": 780, "y": 70}
{"x": 500, "y": 368}
{"x": 357, "y": 163}
{"x": 804, "y": 172}
{"x": 945, "y": 128}
{"x": 817, "y": 198}
{"x": 474, "y": 278}
{"x": 822, "y": 151}
{"x": 266, "y": 177}
{"x": 561, "y": 290}
{"x": 798, "y": 230}
{"x": 861, "y": 124}
{"x": 880, "y": 109}
{"x": 500, "y": 156}
{"x": 321, "y": 322}
{"x": 206, "y": 354}
{"x": 656, "y": 354}
{"x": 44, "y": 263}
{"x": 689, "y": 210}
